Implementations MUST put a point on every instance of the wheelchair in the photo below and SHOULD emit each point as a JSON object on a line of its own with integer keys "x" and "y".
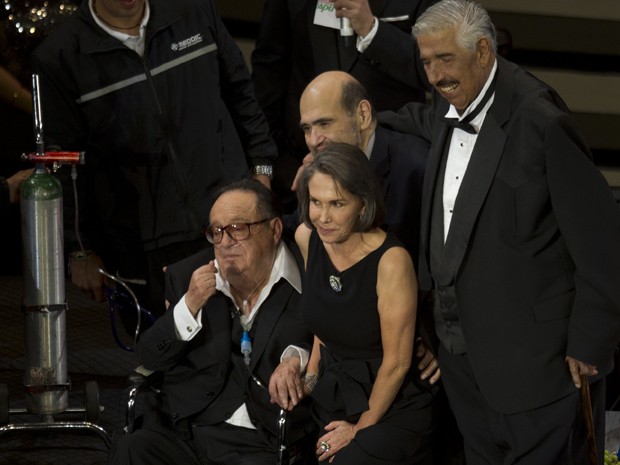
{"x": 124, "y": 305}
{"x": 143, "y": 380}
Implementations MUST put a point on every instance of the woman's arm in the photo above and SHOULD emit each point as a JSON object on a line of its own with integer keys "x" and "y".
{"x": 312, "y": 370}
{"x": 302, "y": 238}
{"x": 397, "y": 303}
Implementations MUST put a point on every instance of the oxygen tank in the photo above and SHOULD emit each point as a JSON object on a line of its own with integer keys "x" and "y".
{"x": 44, "y": 304}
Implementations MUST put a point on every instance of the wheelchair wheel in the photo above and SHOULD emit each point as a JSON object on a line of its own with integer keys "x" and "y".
{"x": 91, "y": 401}
{"x": 4, "y": 404}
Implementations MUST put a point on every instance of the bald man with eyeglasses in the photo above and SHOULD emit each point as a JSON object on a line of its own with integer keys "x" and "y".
{"x": 232, "y": 312}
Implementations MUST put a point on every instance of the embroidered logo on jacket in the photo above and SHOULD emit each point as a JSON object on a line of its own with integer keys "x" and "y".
{"x": 189, "y": 42}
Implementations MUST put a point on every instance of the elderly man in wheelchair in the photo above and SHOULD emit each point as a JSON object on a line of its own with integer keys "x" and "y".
{"x": 233, "y": 311}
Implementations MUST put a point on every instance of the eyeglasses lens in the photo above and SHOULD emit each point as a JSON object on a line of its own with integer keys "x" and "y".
{"x": 237, "y": 232}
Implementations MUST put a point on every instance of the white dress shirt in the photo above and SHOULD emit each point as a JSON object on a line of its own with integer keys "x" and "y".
{"x": 461, "y": 147}
{"x": 284, "y": 267}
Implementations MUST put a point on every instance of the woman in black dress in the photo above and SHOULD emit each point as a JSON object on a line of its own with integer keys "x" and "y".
{"x": 359, "y": 299}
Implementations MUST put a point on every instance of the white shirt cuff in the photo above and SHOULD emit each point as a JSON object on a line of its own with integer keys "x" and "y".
{"x": 294, "y": 351}
{"x": 364, "y": 42}
{"x": 186, "y": 325}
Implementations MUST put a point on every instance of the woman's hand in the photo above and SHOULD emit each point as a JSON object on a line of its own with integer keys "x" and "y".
{"x": 339, "y": 435}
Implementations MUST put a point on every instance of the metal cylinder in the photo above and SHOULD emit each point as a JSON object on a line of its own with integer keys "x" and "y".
{"x": 44, "y": 303}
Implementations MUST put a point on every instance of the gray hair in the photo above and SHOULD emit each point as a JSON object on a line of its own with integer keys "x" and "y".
{"x": 351, "y": 169}
{"x": 470, "y": 21}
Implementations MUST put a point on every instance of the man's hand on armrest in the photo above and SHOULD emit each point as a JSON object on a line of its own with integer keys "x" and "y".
{"x": 285, "y": 385}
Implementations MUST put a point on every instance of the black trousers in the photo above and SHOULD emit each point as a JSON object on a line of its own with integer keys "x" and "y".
{"x": 535, "y": 437}
{"x": 221, "y": 444}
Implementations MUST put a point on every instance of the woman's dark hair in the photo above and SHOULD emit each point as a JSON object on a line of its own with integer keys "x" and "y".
{"x": 349, "y": 167}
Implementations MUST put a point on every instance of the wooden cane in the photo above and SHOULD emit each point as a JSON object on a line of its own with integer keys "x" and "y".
{"x": 586, "y": 410}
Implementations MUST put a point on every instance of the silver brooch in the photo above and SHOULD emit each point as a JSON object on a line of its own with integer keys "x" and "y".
{"x": 334, "y": 282}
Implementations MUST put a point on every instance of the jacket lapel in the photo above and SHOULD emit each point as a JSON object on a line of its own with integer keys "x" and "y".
{"x": 268, "y": 317}
{"x": 440, "y": 138}
{"x": 480, "y": 172}
{"x": 472, "y": 193}
{"x": 217, "y": 323}
{"x": 380, "y": 160}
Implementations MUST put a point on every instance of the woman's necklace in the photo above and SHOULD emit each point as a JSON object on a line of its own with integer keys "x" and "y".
{"x": 112, "y": 26}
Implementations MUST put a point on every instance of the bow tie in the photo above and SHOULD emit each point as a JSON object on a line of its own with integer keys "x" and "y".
{"x": 460, "y": 124}
{"x": 465, "y": 123}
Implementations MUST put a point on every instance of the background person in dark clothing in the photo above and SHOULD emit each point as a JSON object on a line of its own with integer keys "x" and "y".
{"x": 158, "y": 96}
{"x": 293, "y": 48}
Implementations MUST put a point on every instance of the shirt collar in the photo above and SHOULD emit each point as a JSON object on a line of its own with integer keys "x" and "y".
{"x": 121, "y": 35}
{"x": 284, "y": 267}
{"x": 370, "y": 145}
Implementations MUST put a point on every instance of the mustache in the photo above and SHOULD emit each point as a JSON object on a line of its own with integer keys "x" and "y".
{"x": 446, "y": 83}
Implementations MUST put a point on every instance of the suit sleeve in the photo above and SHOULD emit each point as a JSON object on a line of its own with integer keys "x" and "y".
{"x": 589, "y": 221}
{"x": 394, "y": 52}
{"x": 413, "y": 118}
{"x": 159, "y": 349}
{"x": 272, "y": 63}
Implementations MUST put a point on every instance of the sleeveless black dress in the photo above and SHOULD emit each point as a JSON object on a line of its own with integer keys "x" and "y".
{"x": 347, "y": 322}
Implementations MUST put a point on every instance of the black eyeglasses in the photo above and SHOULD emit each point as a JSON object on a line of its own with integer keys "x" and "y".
{"x": 236, "y": 231}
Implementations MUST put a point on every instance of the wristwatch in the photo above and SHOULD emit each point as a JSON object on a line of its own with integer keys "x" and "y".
{"x": 265, "y": 170}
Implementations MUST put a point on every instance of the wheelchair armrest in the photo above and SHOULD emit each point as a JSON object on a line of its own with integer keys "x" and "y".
{"x": 140, "y": 380}
{"x": 142, "y": 375}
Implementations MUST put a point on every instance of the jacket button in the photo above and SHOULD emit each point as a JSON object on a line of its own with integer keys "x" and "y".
{"x": 209, "y": 395}
{"x": 175, "y": 415}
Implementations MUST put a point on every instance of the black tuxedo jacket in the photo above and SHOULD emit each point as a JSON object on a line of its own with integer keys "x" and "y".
{"x": 398, "y": 161}
{"x": 533, "y": 251}
{"x": 291, "y": 51}
{"x": 200, "y": 378}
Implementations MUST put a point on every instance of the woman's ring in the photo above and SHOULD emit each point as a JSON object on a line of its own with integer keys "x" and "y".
{"x": 324, "y": 446}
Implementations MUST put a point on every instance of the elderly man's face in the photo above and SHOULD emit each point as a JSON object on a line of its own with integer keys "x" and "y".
{"x": 250, "y": 257}
{"x": 324, "y": 120}
{"x": 456, "y": 73}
